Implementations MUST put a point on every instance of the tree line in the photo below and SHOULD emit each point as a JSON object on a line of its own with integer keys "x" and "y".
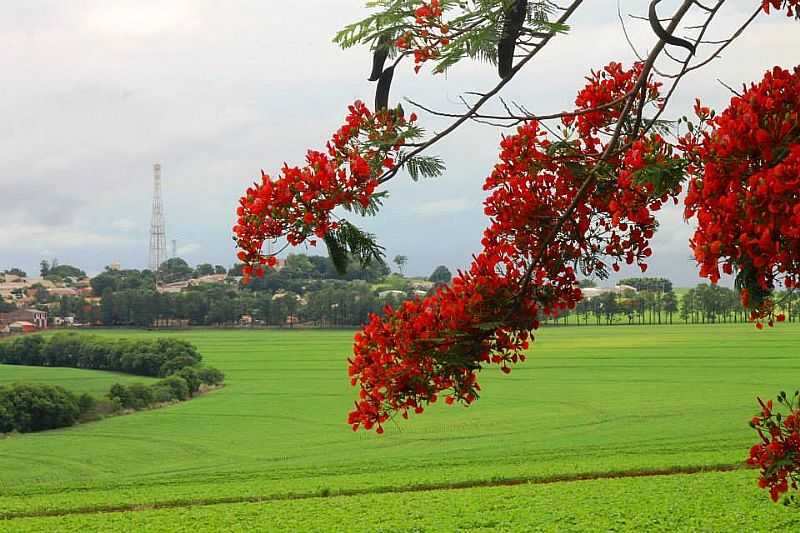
{"x": 654, "y": 301}
{"x": 33, "y": 407}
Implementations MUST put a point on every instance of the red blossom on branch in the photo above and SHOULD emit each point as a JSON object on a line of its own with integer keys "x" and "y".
{"x": 777, "y": 454}
{"x": 299, "y": 204}
{"x": 791, "y": 6}
{"x": 744, "y": 189}
{"x": 527, "y": 269}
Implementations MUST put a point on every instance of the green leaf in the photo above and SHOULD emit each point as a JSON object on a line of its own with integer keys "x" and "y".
{"x": 348, "y": 241}
{"x": 425, "y": 166}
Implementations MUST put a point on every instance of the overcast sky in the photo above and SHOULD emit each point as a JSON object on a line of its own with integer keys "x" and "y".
{"x": 94, "y": 92}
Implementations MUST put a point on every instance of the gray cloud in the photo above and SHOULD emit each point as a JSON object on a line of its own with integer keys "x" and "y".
{"x": 94, "y": 92}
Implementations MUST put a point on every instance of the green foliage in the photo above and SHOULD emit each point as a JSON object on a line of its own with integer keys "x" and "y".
{"x": 204, "y": 269}
{"x": 425, "y": 166}
{"x": 400, "y": 261}
{"x": 118, "y": 280}
{"x": 192, "y": 379}
{"x": 348, "y": 241}
{"x": 176, "y": 387}
{"x": 476, "y": 27}
{"x": 156, "y": 357}
{"x": 210, "y": 376}
{"x": 65, "y": 271}
{"x": 174, "y": 269}
{"x": 441, "y": 275}
{"x": 28, "y": 407}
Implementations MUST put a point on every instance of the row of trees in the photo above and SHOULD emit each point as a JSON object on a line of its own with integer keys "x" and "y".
{"x": 280, "y": 300}
{"x": 144, "y": 357}
{"x": 655, "y": 302}
{"x": 332, "y": 303}
{"x": 178, "y": 387}
{"x": 27, "y": 407}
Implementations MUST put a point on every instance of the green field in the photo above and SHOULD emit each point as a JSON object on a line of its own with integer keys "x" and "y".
{"x": 94, "y": 382}
{"x": 271, "y": 450}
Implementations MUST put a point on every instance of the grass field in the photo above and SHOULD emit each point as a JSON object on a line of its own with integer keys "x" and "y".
{"x": 271, "y": 450}
{"x": 94, "y": 382}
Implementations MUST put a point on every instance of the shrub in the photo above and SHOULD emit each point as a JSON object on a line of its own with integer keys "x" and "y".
{"x": 178, "y": 387}
{"x": 778, "y": 452}
{"x": 28, "y": 407}
{"x": 210, "y": 376}
{"x": 192, "y": 378}
{"x": 87, "y": 404}
{"x": 171, "y": 366}
{"x": 140, "y": 396}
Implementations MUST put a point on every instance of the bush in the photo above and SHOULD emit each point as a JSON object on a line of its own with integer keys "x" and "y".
{"x": 179, "y": 389}
{"x": 210, "y": 376}
{"x": 87, "y": 404}
{"x": 28, "y": 407}
{"x": 192, "y": 378}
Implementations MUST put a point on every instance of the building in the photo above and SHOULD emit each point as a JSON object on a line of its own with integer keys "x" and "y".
{"x": 35, "y": 317}
{"x": 397, "y": 294}
{"x": 63, "y": 321}
{"x": 22, "y": 326}
{"x": 591, "y": 292}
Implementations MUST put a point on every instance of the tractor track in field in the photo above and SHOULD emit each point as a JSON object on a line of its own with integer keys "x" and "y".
{"x": 325, "y": 493}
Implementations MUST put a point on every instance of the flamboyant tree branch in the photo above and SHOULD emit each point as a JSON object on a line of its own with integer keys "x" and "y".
{"x": 568, "y": 11}
{"x": 641, "y": 85}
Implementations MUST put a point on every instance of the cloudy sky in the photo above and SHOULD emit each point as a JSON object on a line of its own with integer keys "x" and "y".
{"x": 95, "y": 92}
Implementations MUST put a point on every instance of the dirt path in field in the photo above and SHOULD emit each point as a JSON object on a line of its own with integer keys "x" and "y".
{"x": 565, "y": 478}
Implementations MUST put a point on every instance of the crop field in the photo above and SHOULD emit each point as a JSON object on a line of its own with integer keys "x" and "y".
{"x": 94, "y": 382}
{"x": 272, "y": 451}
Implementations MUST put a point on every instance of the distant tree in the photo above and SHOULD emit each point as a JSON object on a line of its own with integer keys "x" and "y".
{"x": 441, "y": 275}
{"x": 608, "y": 305}
{"x": 236, "y": 270}
{"x": 17, "y": 272}
{"x": 299, "y": 265}
{"x": 400, "y": 261}
{"x": 119, "y": 280}
{"x": 44, "y": 268}
{"x": 587, "y": 283}
{"x": 670, "y": 303}
{"x": 204, "y": 269}
{"x": 219, "y": 269}
{"x": 65, "y": 271}
{"x": 174, "y": 269}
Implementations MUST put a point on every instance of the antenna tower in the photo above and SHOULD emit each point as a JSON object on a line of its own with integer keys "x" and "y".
{"x": 158, "y": 237}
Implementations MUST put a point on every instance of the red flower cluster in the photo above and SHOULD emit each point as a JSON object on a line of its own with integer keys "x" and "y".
{"x": 778, "y": 453}
{"x": 745, "y": 188}
{"x": 424, "y": 347}
{"x": 600, "y": 99}
{"x": 429, "y": 35}
{"x": 791, "y": 6}
{"x": 547, "y": 218}
{"x": 299, "y": 204}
